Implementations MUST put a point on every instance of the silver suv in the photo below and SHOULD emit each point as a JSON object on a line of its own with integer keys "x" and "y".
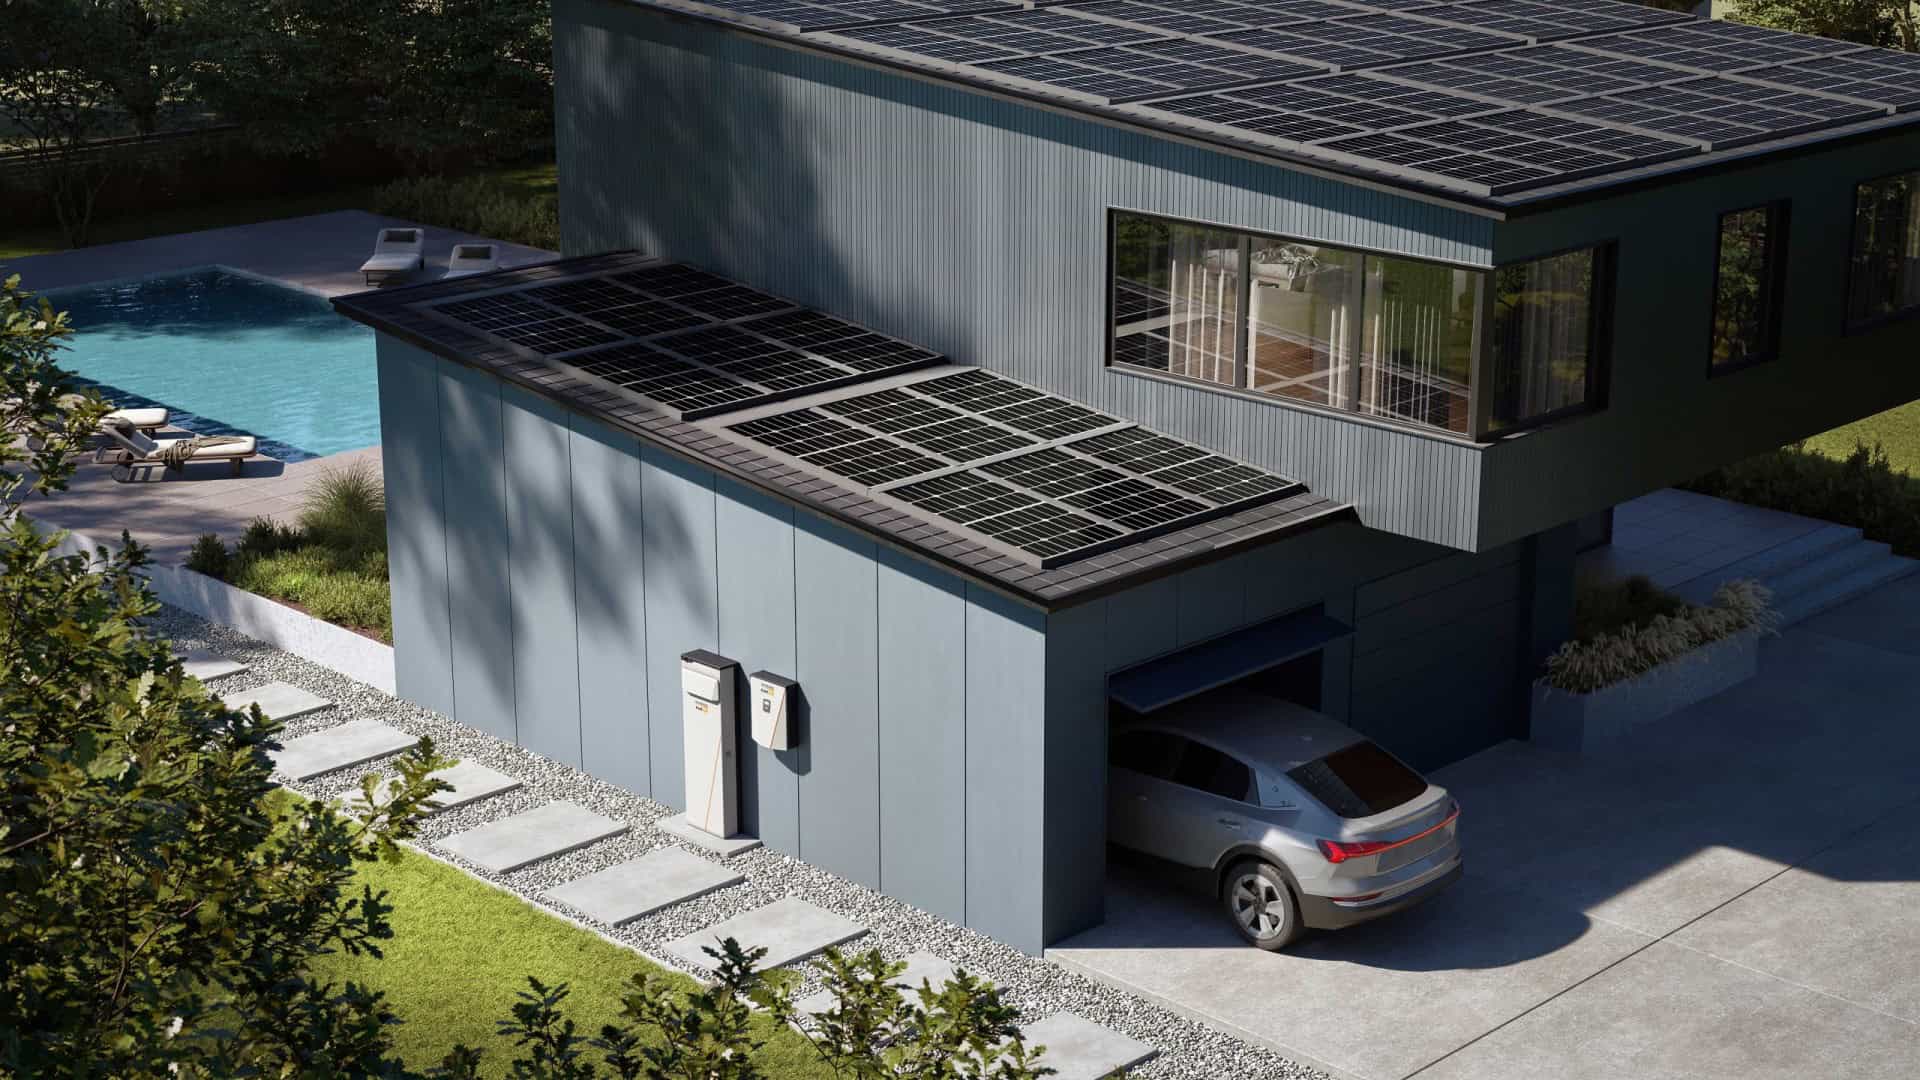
{"x": 1300, "y": 820}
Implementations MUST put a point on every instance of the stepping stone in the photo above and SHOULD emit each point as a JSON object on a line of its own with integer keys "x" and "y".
{"x": 280, "y": 701}
{"x": 678, "y": 827}
{"x": 531, "y": 835}
{"x": 1079, "y": 1049}
{"x": 660, "y": 878}
{"x": 921, "y": 967}
{"x": 471, "y": 782}
{"x": 352, "y": 743}
{"x": 789, "y": 929}
{"x": 207, "y": 665}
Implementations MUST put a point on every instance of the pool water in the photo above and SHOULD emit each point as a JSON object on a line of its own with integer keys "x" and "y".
{"x": 229, "y": 354}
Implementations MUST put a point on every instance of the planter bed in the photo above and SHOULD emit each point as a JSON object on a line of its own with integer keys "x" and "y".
{"x": 1607, "y": 718}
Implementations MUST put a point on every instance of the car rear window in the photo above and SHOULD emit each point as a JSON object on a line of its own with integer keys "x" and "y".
{"x": 1359, "y": 781}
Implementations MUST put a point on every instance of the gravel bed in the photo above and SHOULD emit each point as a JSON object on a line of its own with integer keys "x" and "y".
{"x": 1187, "y": 1051}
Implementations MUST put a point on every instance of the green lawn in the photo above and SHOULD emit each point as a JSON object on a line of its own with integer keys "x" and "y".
{"x": 462, "y": 949}
{"x": 527, "y": 181}
{"x": 1896, "y": 429}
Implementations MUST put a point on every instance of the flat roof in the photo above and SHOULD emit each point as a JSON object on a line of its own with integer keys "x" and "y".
{"x": 1041, "y": 497}
{"x": 1492, "y": 102}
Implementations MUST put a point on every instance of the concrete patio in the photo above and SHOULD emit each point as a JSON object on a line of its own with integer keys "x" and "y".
{"x": 1737, "y": 898}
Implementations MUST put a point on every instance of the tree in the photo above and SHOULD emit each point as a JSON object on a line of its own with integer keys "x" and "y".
{"x": 58, "y": 107}
{"x": 161, "y": 907}
{"x": 1889, "y": 24}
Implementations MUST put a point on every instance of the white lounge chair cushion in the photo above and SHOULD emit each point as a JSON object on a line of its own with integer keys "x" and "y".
{"x": 139, "y": 418}
{"x": 390, "y": 262}
{"x": 244, "y": 448}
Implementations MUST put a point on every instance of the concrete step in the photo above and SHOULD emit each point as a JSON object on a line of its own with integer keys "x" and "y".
{"x": 661, "y": 878}
{"x": 532, "y": 835}
{"x": 470, "y": 782}
{"x": 1840, "y": 590}
{"x": 789, "y": 929}
{"x": 922, "y": 967}
{"x": 1772, "y": 562}
{"x": 355, "y": 742}
{"x": 207, "y": 665}
{"x": 1835, "y": 564}
{"x": 1079, "y": 1049}
{"x": 279, "y": 700}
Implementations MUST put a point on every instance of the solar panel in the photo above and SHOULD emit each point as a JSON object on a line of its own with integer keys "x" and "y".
{"x": 1016, "y": 406}
{"x": 621, "y": 309}
{"x": 672, "y": 382}
{"x": 526, "y": 323}
{"x": 838, "y": 447}
{"x": 844, "y": 343}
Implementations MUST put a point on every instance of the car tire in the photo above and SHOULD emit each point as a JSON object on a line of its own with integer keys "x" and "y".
{"x": 1260, "y": 904}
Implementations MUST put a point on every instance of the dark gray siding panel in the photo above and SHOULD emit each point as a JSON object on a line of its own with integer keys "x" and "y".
{"x": 682, "y": 605}
{"x": 974, "y": 225}
{"x": 416, "y": 527}
{"x": 1006, "y": 758}
{"x": 546, "y": 662}
{"x": 834, "y": 603}
{"x": 478, "y": 554}
{"x": 1076, "y": 773}
{"x": 923, "y": 735}
{"x": 610, "y": 605}
{"x": 756, "y": 579}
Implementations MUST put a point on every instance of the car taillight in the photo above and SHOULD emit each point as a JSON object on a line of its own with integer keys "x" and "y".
{"x": 1339, "y": 851}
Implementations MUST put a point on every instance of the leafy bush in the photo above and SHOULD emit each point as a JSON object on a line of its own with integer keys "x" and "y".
{"x": 210, "y": 557}
{"x": 482, "y": 204}
{"x": 1601, "y": 606}
{"x": 1864, "y": 491}
{"x": 1614, "y": 656}
{"x": 264, "y": 537}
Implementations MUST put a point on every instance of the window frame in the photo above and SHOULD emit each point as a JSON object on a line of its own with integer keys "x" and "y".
{"x": 1848, "y": 327}
{"x": 1779, "y": 235}
{"x": 1599, "y": 372}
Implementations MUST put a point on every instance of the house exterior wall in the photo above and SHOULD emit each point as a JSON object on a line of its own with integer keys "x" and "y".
{"x": 976, "y": 225}
{"x": 968, "y": 224}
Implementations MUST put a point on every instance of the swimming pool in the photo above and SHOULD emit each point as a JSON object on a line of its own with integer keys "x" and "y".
{"x": 229, "y": 354}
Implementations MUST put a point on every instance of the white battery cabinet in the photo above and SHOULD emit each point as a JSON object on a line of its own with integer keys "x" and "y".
{"x": 772, "y": 704}
{"x": 708, "y": 691}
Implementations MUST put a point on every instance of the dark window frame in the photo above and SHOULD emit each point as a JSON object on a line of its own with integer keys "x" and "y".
{"x": 1779, "y": 235}
{"x": 1599, "y": 370}
{"x": 1599, "y": 346}
{"x": 1848, "y": 327}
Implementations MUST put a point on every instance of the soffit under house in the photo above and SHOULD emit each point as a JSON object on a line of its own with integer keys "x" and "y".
{"x": 1041, "y": 497}
{"x": 1496, "y": 103}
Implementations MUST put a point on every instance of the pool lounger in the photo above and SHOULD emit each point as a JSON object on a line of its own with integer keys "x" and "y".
{"x": 466, "y": 259}
{"x": 137, "y": 449}
{"x": 396, "y": 253}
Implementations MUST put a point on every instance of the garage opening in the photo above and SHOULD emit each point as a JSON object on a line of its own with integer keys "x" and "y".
{"x": 1278, "y": 658}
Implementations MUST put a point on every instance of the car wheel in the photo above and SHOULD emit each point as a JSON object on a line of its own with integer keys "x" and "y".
{"x": 1261, "y": 905}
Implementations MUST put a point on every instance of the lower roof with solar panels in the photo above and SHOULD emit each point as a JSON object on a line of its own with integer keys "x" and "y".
{"x": 1488, "y": 102}
{"x": 1038, "y": 495}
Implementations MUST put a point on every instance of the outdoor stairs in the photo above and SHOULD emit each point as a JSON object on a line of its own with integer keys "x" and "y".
{"x": 1811, "y": 573}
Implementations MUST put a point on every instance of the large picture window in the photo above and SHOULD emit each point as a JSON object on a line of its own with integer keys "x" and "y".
{"x": 1885, "y": 279}
{"x": 1379, "y": 335}
{"x": 1747, "y": 285}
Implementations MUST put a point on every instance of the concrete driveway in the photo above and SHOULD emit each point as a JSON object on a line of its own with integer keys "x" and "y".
{"x": 1739, "y": 898}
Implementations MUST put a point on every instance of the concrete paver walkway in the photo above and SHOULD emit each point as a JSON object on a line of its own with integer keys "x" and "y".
{"x": 660, "y": 878}
{"x": 1734, "y": 897}
{"x": 207, "y": 665}
{"x": 278, "y": 700}
{"x": 355, "y": 742}
{"x": 789, "y": 929}
{"x": 532, "y": 835}
{"x": 1079, "y": 1049}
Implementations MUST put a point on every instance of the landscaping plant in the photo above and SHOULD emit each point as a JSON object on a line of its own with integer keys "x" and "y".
{"x": 1583, "y": 666}
{"x": 485, "y": 204}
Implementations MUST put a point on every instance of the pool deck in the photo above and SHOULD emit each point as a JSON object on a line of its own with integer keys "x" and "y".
{"x": 320, "y": 254}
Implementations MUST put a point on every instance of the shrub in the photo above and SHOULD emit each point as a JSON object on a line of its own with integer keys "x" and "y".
{"x": 1864, "y": 491}
{"x": 1601, "y": 606}
{"x": 265, "y": 536}
{"x": 1614, "y": 656}
{"x": 341, "y": 591}
{"x": 483, "y": 204}
{"x": 209, "y": 556}
{"x": 346, "y": 511}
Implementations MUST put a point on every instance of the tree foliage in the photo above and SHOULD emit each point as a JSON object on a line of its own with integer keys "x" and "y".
{"x": 1889, "y": 24}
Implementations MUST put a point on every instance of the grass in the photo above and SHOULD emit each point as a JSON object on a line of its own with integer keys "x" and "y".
{"x": 524, "y": 181}
{"x": 462, "y": 950}
{"x": 1897, "y": 431}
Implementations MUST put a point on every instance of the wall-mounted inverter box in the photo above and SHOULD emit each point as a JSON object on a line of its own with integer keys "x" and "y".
{"x": 772, "y": 705}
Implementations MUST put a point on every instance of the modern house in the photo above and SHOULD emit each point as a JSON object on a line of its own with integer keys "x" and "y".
{"x": 985, "y": 369}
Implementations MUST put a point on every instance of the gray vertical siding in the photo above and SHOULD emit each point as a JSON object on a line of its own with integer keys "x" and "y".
{"x": 754, "y": 537}
{"x": 416, "y": 523}
{"x": 923, "y": 741}
{"x": 973, "y": 225}
{"x": 677, "y": 530}
{"x": 610, "y": 605}
{"x": 546, "y": 674}
{"x": 1006, "y": 760}
{"x": 479, "y": 566}
{"x": 835, "y": 600}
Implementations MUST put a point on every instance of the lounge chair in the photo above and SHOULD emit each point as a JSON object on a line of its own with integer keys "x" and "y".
{"x": 396, "y": 253}
{"x": 138, "y": 419}
{"x": 137, "y": 449}
{"x": 472, "y": 259}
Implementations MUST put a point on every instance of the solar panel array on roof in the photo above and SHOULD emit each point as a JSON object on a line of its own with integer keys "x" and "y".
{"x": 683, "y": 339}
{"x": 1040, "y": 476}
{"x": 1541, "y": 92}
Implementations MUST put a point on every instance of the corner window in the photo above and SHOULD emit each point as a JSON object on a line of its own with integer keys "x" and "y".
{"x": 1747, "y": 286}
{"x": 1885, "y": 278}
{"x": 1385, "y": 336}
{"x": 1543, "y": 340}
